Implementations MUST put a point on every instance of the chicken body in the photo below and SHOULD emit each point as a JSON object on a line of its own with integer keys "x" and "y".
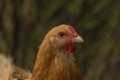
{"x": 55, "y": 60}
{"x": 8, "y": 71}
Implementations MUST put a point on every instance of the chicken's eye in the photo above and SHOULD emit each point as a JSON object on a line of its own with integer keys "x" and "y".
{"x": 61, "y": 34}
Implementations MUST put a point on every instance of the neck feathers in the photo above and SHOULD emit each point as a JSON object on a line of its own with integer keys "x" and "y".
{"x": 44, "y": 58}
{"x": 53, "y": 65}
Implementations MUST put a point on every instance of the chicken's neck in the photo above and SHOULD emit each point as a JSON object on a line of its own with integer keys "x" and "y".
{"x": 50, "y": 64}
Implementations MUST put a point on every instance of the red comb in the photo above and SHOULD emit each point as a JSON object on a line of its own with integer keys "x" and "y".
{"x": 73, "y": 31}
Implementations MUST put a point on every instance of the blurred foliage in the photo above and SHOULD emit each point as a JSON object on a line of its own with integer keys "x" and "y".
{"x": 24, "y": 23}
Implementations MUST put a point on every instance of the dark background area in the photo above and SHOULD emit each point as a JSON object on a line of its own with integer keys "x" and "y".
{"x": 24, "y": 23}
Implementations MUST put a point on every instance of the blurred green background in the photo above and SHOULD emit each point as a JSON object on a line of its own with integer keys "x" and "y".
{"x": 24, "y": 23}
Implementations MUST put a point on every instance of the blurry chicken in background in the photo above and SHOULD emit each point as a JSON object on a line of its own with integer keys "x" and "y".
{"x": 8, "y": 71}
{"x": 54, "y": 61}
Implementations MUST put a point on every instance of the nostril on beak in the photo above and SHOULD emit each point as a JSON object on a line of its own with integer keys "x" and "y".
{"x": 75, "y": 36}
{"x": 78, "y": 39}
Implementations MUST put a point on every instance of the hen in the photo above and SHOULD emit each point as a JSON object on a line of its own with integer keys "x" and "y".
{"x": 55, "y": 60}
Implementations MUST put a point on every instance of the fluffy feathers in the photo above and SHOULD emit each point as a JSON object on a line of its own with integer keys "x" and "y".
{"x": 10, "y": 72}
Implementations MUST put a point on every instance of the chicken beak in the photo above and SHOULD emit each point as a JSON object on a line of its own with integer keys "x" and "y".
{"x": 77, "y": 39}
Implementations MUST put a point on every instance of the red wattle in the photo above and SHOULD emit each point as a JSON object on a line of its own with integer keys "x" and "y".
{"x": 70, "y": 49}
